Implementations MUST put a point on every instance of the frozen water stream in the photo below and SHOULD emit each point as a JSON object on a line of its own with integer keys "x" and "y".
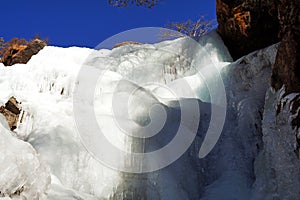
{"x": 143, "y": 91}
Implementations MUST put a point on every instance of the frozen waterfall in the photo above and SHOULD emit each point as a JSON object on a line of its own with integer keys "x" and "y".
{"x": 162, "y": 88}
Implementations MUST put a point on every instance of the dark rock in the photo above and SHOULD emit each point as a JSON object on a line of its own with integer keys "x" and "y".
{"x": 11, "y": 112}
{"x": 295, "y": 104}
{"x": 246, "y": 26}
{"x": 22, "y": 53}
{"x": 286, "y": 70}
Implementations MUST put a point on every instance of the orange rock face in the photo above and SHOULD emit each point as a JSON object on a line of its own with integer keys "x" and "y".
{"x": 22, "y": 53}
{"x": 246, "y": 26}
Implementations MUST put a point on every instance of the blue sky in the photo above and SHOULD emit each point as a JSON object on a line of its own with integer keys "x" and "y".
{"x": 87, "y": 23}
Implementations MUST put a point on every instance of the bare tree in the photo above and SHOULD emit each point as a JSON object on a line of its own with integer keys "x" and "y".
{"x": 125, "y": 3}
{"x": 38, "y": 37}
{"x": 1, "y": 42}
{"x": 190, "y": 28}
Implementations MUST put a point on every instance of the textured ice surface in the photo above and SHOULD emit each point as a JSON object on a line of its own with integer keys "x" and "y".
{"x": 23, "y": 175}
{"x": 277, "y": 167}
{"x": 45, "y": 88}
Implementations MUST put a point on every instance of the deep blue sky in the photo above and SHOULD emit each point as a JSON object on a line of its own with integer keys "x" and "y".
{"x": 87, "y": 23}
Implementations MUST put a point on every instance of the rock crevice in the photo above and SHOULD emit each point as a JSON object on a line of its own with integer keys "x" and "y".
{"x": 11, "y": 111}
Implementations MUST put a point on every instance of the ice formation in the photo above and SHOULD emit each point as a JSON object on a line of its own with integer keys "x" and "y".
{"x": 23, "y": 174}
{"x": 51, "y": 146}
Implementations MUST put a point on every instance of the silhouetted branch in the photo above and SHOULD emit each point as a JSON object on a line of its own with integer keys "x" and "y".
{"x": 190, "y": 28}
{"x": 125, "y": 3}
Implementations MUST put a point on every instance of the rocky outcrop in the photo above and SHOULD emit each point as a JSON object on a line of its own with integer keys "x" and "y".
{"x": 246, "y": 26}
{"x": 249, "y": 25}
{"x": 286, "y": 70}
{"x": 22, "y": 53}
{"x": 11, "y": 112}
